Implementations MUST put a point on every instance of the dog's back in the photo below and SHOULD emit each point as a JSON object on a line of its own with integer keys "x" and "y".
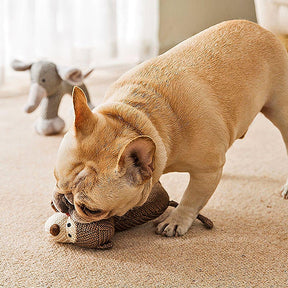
{"x": 228, "y": 69}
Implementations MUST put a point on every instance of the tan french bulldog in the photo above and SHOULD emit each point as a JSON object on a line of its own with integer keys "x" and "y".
{"x": 181, "y": 112}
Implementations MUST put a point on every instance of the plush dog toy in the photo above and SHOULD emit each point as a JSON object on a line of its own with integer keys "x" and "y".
{"x": 64, "y": 228}
{"x": 49, "y": 83}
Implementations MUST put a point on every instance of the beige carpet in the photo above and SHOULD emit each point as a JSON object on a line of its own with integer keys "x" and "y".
{"x": 247, "y": 248}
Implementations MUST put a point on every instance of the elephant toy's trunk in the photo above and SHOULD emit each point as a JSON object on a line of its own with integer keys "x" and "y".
{"x": 36, "y": 94}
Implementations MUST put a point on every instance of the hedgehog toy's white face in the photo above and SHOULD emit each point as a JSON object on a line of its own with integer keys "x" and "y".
{"x": 61, "y": 228}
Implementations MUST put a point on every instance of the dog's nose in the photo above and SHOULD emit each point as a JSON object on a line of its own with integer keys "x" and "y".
{"x": 62, "y": 202}
{"x": 69, "y": 198}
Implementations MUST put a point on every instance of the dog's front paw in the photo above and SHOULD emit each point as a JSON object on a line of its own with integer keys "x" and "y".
{"x": 284, "y": 191}
{"x": 177, "y": 223}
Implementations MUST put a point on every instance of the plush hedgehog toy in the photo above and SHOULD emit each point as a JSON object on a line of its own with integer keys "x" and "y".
{"x": 64, "y": 228}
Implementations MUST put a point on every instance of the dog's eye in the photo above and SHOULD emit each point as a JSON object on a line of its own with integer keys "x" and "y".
{"x": 88, "y": 211}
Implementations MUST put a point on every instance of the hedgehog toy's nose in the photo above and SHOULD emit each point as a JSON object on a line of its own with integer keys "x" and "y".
{"x": 54, "y": 230}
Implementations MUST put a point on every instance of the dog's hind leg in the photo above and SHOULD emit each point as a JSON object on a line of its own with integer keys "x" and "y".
{"x": 277, "y": 113}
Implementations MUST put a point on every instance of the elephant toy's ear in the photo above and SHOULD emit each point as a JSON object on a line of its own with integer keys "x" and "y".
{"x": 18, "y": 65}
{"x": 73, "y": 76}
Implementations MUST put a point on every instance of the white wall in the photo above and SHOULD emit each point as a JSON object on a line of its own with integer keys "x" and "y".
{"x": 180, "y": 19}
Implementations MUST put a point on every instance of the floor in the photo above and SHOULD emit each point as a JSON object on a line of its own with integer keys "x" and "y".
{"x": 247, "y": 248}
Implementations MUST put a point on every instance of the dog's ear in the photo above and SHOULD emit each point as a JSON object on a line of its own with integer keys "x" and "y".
{"x": 85, "y": 120}
{"x": 136, "y": 159}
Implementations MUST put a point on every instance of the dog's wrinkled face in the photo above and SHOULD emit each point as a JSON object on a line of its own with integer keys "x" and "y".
{"x": 101, "y": 168}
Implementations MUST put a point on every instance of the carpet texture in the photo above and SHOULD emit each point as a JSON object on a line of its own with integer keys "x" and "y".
{"x": 247, "y": 248}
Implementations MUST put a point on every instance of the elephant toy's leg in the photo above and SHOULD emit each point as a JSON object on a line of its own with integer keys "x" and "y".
{"x": 49, "y": 122}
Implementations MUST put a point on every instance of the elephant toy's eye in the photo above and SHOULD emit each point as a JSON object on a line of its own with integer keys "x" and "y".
{"x": 43, "y": 80}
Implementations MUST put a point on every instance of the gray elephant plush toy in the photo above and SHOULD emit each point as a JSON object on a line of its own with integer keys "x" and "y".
{"x": 49, "y": 83}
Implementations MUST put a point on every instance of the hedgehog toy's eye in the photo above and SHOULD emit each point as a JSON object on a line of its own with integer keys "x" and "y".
{"x": 69, "y": 235}
{"x": 43, "y": 80}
